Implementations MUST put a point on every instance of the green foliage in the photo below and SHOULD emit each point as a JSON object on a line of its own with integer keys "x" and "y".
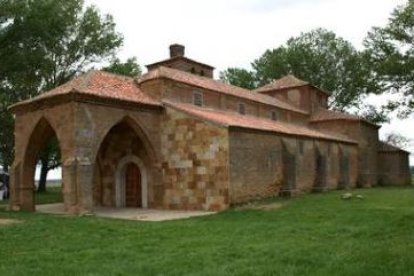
{"x": 239, "y": 77}
{"x": 129, "y": 68}
{"x": 318, "y": 234}
{"x": 43, "y": 44}
{"x": 374, "y": 114}
{"x": 320, "y": 57}
{"x": 390, "y": 53}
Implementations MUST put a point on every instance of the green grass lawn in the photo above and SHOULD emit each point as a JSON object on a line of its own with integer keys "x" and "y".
{"x": 52, "y": 195}
{"x": 317, "y": 234}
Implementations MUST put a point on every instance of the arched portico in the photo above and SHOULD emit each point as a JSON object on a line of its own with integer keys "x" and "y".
{"x": 23, "y": 173}
{"x": 122, "y": 146}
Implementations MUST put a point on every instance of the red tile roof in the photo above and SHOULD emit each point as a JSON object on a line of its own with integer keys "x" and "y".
{"x": 218, "y": 86}
{"x": 329, "y": 115}
{"x": 100, "y": 84}
{"x": 288, "y": 81}
{"x": 231, "y": 119}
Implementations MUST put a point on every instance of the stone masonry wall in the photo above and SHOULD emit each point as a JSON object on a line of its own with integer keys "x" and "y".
{"x": 195, "y": 163}
{"x": 367, "y": 137}
{"x": 394, "y": 168}
{"x": 94, "y": 124}
{"x": 256, "y": 164}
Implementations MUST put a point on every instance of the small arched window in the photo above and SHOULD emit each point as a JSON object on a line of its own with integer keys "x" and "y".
{"x": 242, "y": 108}
{"x": 198, "y": 98}
{"x": 274, "y": 116}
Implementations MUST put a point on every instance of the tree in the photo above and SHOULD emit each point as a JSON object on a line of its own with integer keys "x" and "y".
{"x": 49, "y": 160}
{"x": 391, "y": 55}
{"x": 397, "y": 140}
{"x": 129, "y": 68}
{"x": 320, "y": 57}
{"x": 43, "y": 44}
{"x": 239, "y": 77}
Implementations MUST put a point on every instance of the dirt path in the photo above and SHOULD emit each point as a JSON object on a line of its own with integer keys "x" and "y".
{"x": 4, "y": 221}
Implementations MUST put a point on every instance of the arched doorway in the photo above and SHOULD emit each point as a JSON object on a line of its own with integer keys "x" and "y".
{"x": 133, "y": 191}
{"x": 131, "y": 187}
{"x": 42, "y": 152}
{"x": 122, "y": 169}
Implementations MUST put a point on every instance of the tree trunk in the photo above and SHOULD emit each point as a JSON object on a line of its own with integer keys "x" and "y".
{"x": 41, "y": 188}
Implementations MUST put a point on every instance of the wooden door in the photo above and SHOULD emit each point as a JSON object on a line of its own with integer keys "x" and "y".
{"x": 133, "y": 194}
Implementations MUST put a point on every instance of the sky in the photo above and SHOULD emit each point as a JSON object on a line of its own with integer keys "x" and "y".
{"x": 233, "y": 33}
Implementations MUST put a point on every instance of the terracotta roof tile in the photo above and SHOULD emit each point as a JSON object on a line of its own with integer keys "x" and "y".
{"x": 231, "y": 119}
{"x": 100, "y": 84}
{"x": 284, "y": 82}
{"x": 330, "y": 115}
{"x": 218, "y": 86}
{"x": 288, "y": 81}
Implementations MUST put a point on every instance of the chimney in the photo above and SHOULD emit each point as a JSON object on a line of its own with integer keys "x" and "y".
{"x": 176, "y": 50}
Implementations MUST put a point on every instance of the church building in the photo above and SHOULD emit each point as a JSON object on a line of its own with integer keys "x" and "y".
{"x": 175, "y": 138}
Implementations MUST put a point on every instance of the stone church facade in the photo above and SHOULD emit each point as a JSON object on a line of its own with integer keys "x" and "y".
{"x": 175, "y": 138}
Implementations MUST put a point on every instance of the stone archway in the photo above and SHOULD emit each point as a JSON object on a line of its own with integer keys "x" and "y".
{"x": 23, "y": 190}
{"x": 121, "y": 146}
{"x": 120, "y": 183}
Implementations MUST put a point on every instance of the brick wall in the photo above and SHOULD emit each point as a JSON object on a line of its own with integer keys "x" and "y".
{"x": 394, "y": 168}
{"x": 257, "y": 164}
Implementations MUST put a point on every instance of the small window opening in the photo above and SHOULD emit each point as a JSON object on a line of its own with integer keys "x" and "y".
{"x": 198, "y": 98}
{"x": 242, "y": 108}
{"x": 193, "y": 70}
{"x": 274, "y": 116}
{"x": 202, "y": 73}
{"x": 301, "y": 147}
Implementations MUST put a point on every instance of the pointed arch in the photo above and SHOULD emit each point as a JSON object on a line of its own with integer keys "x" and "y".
{"x": 133, "y": 124}
{"x": 41, "y": 133}
{"x": 124, "y": 142}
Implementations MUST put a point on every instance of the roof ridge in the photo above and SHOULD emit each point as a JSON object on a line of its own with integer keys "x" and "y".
{"x": 233, "y": 119}
{"x": 220, "y": 87}
{"x": 337, "y": 115}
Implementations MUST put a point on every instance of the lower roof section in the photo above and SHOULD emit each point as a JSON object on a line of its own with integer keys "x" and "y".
{"x": 231, "y": 119}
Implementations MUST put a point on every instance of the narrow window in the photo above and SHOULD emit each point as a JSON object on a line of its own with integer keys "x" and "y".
{"x": 301, "y": 147}
{"x": 274, "y": 115}
{"x": 202, "y": 73}
{"x": 193, "y": 70}
{"x": 242, "y": 108}
{"x": 198, "y": 98}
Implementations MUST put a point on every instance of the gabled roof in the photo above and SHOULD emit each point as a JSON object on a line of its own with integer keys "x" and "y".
{"x": 177, "y": 58}
{"x": 288, "y": 81}
{"x": 385, "y": 147}
{"x": 218, "y": 86}
{"x": 98, "y": 84}
{"x": 323, "y": 115}
{"x": 232, "y": 119}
